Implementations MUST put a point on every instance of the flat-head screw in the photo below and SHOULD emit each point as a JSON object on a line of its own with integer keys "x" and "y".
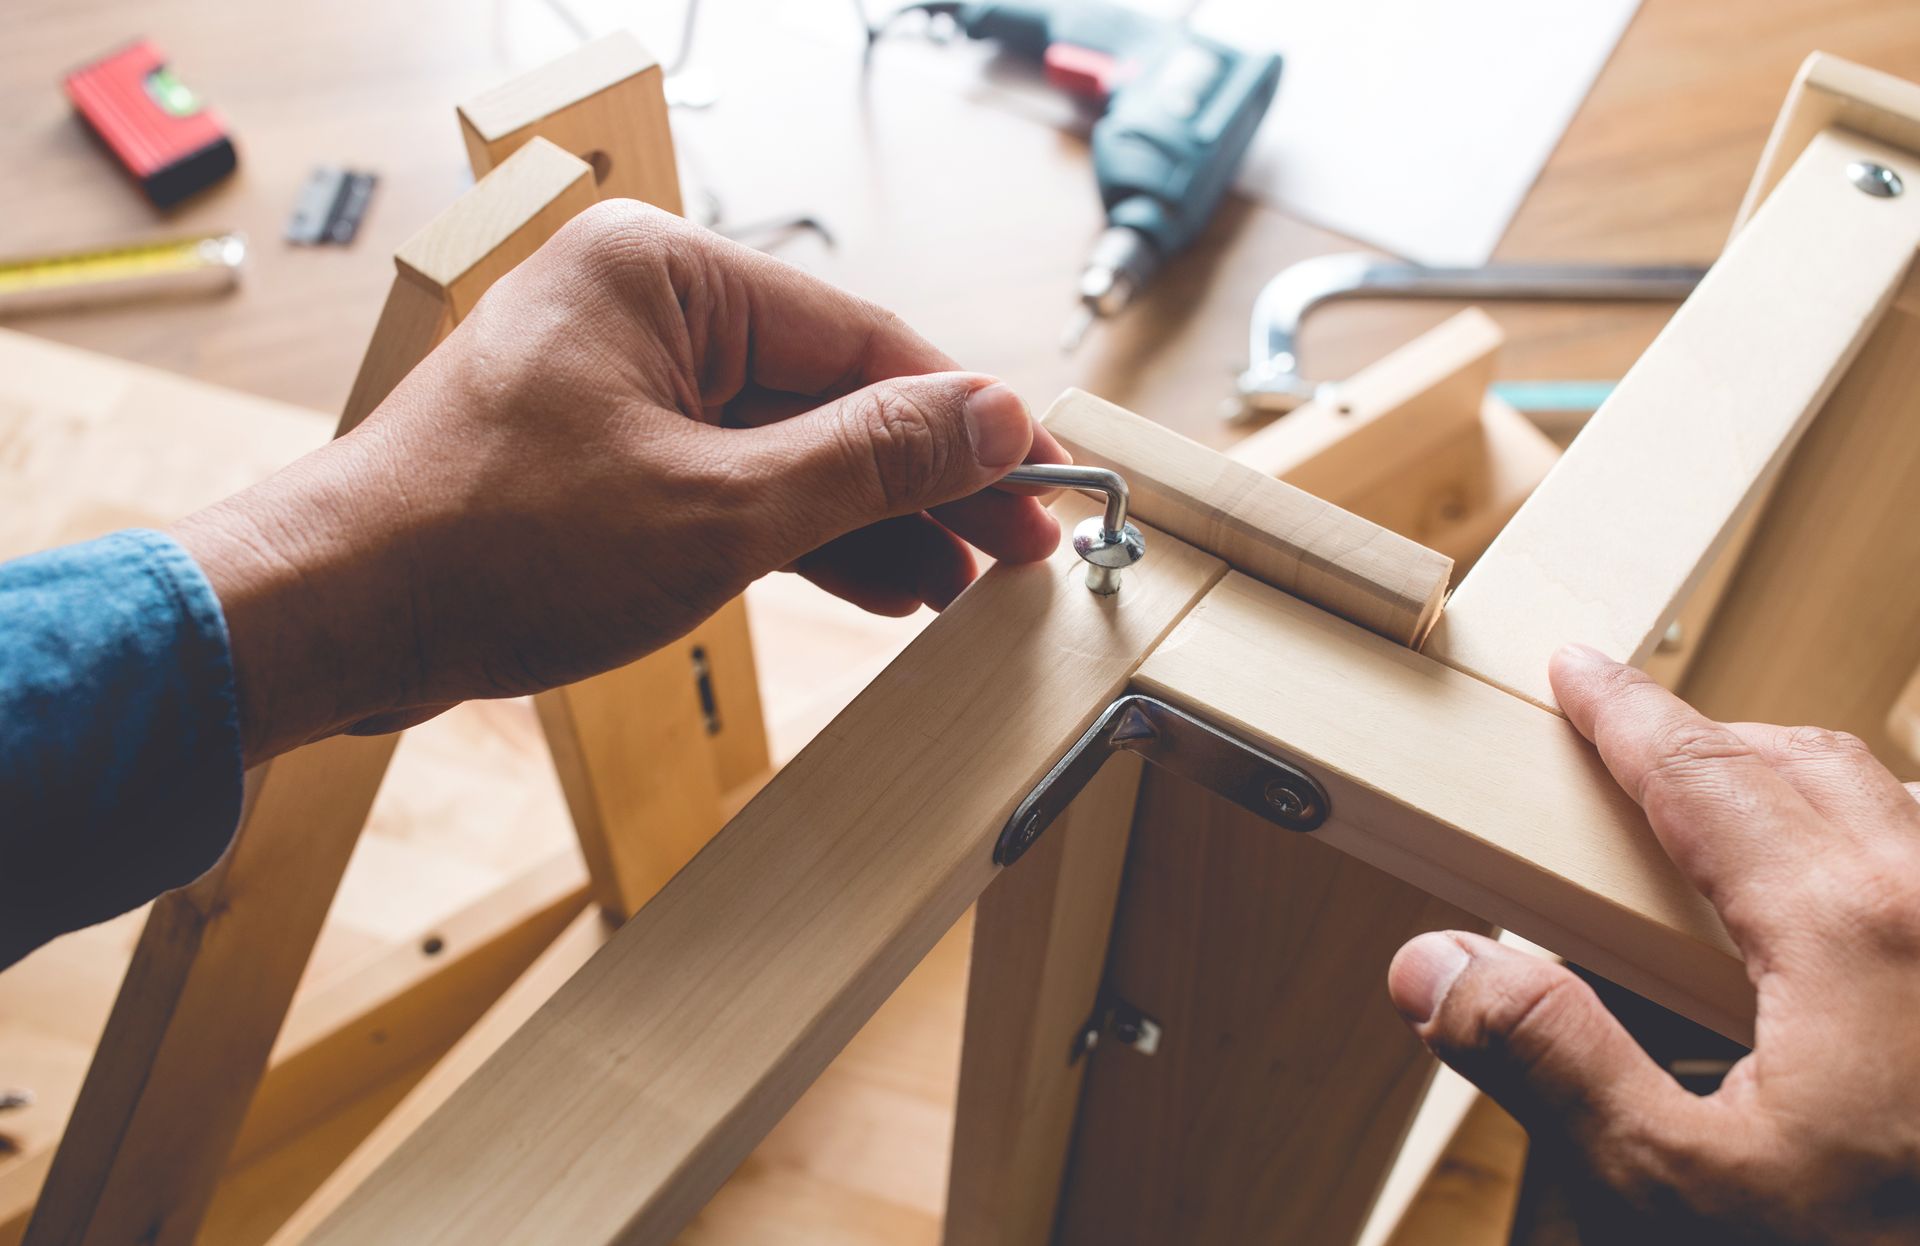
{"x": 1875, "y": 179}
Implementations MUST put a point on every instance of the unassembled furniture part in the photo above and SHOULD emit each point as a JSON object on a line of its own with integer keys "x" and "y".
{"x": 218, "y": 961}
{"x": 1415, "y": 443}
{"x": 1278, "y": 1091}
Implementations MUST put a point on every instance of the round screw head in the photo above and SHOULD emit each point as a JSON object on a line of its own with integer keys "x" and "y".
{"x": 1107, "y": 553}
{"x": 1875, "y": 179}
{"x": 1285, "y": 799}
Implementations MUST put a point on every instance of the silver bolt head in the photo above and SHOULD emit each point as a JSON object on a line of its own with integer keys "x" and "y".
{"x": 1875, "y": 179}
{"x": 1107, "y": 553}
{"x": 1095, "y": 544}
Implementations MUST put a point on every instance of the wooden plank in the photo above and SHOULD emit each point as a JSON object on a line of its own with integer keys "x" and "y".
{"x": 654, "y": 1071}
{"x": 1459, "y": 497}
{"x": 506, "y": 217}
{"x": 1623, "y": 528}
{"x": 1039, "y": 950}
{"x": 1464, "y": 791}
{"x": 1821, "y": 622}
{"x": 1415, "y": 443}
{"x": 1384, "y": 422}
{"x": 409, "y": 1003}
{"x": 645, "y": 767}
{"x": 586, "y": 934}
{"x": 647, "y": 772}
{"x": 1827, "y": 92}
{"x": 605, "y": 102}
{"x": 218, "y": 961}
{"x": 1273, "y": 532}
{"x": 1468, "y": 1198}
{"x": 631, "y": 751}
{"x": 1284, "y": 1079}
{"x": 723, "y": 645}
{"x": 209, "y": 983}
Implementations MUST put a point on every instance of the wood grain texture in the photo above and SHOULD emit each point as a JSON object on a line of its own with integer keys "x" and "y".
{"x": 1832, "y": 91}
{"x": 1284, "y": 1078}
{"x": 1827, "y": 91}
{"x": 1821, "y": 622}
{"x": 1468, "y": 1199}
{"x": 1380, "y": 424}
{"x": 584, "y": 935}
{"x": 1273, "y": 532}
{"x": 1461, "y": 789}
{"x": 209, "y": 983}
{"x": 604, "y": 101}
{"x": 515, "y": 207}
{"x": 1040, "y": 936}
{"x": 1623, "y": 528}
{"x": 1651, "y": 167}
{"x": 1415, "y": 443}
{"x": 1458, "y": 499}
{"x": 657, "y": 1068}
{"x": 645, "y": 767}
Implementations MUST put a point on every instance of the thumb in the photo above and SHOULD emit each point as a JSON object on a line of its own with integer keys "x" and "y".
{"x": 893, "y": 448}
{"x": 1537, "y": 1039}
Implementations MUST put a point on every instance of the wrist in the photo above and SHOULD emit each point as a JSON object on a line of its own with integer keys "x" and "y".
{"x": 317, "y": 607}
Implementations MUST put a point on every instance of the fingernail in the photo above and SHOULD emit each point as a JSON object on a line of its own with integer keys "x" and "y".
{"x": 998, "y": 426}
{"x": 1423, "y": 973}
{"x": 1586, "y": 655}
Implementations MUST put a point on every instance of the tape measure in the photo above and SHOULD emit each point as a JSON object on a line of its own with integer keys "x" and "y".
{"x": 204, "y": 264}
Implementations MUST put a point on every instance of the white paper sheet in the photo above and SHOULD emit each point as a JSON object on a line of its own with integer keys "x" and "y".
{"x": 1416, "y": 125}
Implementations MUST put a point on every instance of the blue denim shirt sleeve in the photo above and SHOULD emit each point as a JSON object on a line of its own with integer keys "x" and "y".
{"x": 120, "y": 766}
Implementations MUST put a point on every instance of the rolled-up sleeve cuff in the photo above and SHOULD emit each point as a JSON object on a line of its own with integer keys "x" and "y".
{"x": 120, "y": 761}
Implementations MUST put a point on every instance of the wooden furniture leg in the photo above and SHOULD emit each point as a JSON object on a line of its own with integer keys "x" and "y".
{"x": 1610, "y": 545}
{"x": 1283, "y": 1080}
{"x": 218, "y": 961}
{"x": 1039, "y": 956}
{"x": 1812, "y": 628}
{"x": 651, "y": 754}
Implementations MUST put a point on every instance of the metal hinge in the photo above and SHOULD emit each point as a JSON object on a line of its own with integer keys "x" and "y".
{"x": 1115, "y": 1018}
{"x": 1254, "y": 780}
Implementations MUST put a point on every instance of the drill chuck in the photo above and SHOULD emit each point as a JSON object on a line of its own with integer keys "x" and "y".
{"x": 1122, "y": 261}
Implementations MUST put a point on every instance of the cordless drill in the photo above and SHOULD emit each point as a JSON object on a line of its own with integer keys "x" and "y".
{"x": 1181, "y": 111}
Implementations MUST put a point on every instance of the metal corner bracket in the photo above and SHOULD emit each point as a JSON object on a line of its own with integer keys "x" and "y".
{"x": 1254, "y": 780}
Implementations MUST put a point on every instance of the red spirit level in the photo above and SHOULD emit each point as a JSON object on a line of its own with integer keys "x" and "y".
{"x": 155, "y": 126}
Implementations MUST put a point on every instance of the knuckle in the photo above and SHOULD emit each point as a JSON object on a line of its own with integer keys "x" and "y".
{"x": 1688, "y": 753}
{"x": 893, "y": 436}
{"x": 618, "y": 236}
{"x": 1876, "y": 901}
{"x": 1819, "y": 742}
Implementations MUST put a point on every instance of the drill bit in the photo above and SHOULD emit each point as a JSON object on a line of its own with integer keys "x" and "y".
{"x": 1076, "y": 328}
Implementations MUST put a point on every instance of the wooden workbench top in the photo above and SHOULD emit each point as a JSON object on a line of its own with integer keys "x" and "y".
{"x": 950, "y": 205}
